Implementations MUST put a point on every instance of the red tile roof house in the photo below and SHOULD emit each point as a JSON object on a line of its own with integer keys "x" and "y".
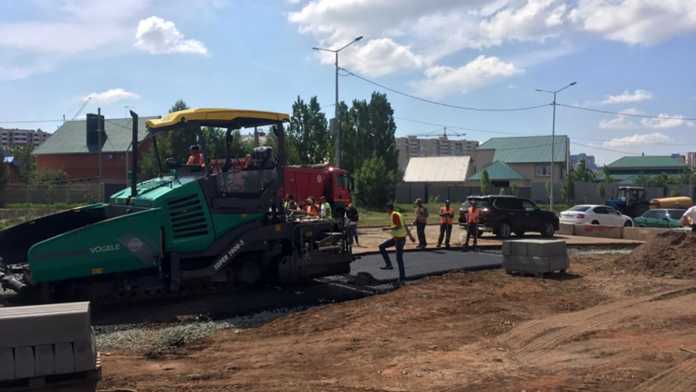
{"x": 77, "y": 147}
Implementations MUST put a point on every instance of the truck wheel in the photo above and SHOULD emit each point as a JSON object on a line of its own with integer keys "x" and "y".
{"x": 503, "y": 231}
{"x": 628, "y": 223}
{"x": 548, "y": 230}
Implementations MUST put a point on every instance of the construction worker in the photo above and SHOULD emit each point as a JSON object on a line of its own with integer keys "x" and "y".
{"x": 398, "y": 232}
{"x": 290, "y": 204}
{"x": 195, "y": 157}
{"x": 352, "y": 218}
{"x": 421, "y": 221}
{"x": 446, "y": 219}
{"x": 324, "y": 208}
{"x": 311, "y": 208}
{"x": 472, "y": 220}
{"x": 689, "y": 218}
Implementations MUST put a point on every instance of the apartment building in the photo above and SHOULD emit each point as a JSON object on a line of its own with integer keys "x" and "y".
{"x": 413, "y": 146}
{"x": 18, "y": 137}
{"x": 691, "y": 160}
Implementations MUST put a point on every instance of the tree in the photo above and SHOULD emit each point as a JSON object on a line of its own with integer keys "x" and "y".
{"x": 308, "y": 131}
{"x": 383, "y": 129}
{"x": 583, "y": 174}
{"x": 375, "y": 184}
{"x": 486, "y": 185}
{"x": 568, "y": 190}
{"x": 3, "y": 177}
{"x": 606, "y": 175}
{"x": 178, "y": 106}
{"x": 24, "y": 160}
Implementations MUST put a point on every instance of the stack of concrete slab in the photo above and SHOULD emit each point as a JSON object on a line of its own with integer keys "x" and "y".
{"x": 48, "y": 347}
{"x": 536, "y": 257}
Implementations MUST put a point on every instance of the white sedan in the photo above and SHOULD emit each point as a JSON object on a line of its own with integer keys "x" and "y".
{"x": 592, "y": 214}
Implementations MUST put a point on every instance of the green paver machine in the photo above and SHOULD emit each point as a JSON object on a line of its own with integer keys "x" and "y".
{"x": 196, "y": 226}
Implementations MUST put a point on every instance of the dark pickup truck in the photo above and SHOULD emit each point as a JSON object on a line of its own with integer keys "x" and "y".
{"x": 504, "y": 215}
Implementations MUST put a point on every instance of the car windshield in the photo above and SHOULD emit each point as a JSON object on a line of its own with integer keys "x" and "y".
{"x": 580, "y": 208}
{"x": 676, "y": 214}
{"x": 480, "y": 203}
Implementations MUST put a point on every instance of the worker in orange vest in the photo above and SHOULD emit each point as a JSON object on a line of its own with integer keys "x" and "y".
{"x": 195, "y": 157}
{"x": 472, "y": 221}
{"x": 446, "y": 219}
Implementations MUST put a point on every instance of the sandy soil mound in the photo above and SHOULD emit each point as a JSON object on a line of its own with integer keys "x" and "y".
{"x": 671, "y": 253}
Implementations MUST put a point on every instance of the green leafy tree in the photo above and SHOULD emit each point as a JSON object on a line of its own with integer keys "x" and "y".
{"x": 486, "y": 185}
{"x": 568, "y": 190}
{"x": 308, "y": 131}
{"x": 606, "y": 175}
{"x": 3, "y": 178}
{"x": 383, "y": 129}
{"x": 24, "y": 159}
{"x": 375, "y": 183}
{"x": 583, "y": 174}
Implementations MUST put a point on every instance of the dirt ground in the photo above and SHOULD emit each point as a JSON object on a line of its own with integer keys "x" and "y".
{"x": 600, "y": 329}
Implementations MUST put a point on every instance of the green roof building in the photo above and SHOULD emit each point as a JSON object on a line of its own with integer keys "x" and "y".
{"x": 627, "y": 169}
{"x": 530, "y": 156}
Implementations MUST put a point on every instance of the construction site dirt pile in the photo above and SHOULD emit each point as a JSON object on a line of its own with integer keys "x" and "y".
{"x": 596, "y": 329}
{"x": 671, "y": 253}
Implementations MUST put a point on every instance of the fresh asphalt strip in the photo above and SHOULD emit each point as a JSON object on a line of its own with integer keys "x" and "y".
{"x": 425, "y": 263}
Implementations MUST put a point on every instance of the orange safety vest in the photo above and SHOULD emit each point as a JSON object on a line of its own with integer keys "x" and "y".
{"x": 446, "y": 216}
{"x": 472, "y": 215}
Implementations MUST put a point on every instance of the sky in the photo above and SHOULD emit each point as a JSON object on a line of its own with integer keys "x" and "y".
{"x": 627, "y": 56}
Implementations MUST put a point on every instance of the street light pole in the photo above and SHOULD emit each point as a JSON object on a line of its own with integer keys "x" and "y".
{"x": 337, "y": 123}
{"x": 553, "y": 136}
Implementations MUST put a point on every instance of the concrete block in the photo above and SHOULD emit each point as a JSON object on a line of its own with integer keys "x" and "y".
{"x": 65, "y": 358}
{"x": 48, "y": 324}
{"x": 44, "y": 360}
{"x": 535, "y": 256}
{"x": 7, "y": 370}
{"x": 599, "y": 231}
{"x": 566, "y": 229}
{"x": 45, "y": 340}
{"x": 544, "y": 248}
{"x": 24, "y": 362}
{"x": 85, "y": 355}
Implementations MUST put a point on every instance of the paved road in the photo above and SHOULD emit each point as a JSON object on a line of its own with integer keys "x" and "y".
{"x": 430, "y": 262}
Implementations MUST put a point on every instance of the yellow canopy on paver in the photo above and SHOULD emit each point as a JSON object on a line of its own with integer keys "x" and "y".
{"x": 226, "y": 118}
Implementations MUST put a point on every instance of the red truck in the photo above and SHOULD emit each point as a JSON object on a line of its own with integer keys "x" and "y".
{"x": 317, "y": 180}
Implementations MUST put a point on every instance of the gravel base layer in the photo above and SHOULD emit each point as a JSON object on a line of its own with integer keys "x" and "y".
{"x": 155, "y": 340}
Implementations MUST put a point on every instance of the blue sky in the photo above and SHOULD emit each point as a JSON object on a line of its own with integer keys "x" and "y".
{"x": 632, "y": 56}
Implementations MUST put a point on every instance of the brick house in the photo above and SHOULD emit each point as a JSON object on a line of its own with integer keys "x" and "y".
{"x": 77, "y": 147}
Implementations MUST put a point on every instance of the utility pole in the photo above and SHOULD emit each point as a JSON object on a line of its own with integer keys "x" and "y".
{"x": 553, "y": 137}
{"x": 337, "y": 123}
{"x": 99, "y": 145}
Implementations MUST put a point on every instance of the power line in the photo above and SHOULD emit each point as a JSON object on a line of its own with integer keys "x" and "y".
{"x": 27, "y": 121}
{"x": 626, "y": 114}
{"x": 430, "y": 101}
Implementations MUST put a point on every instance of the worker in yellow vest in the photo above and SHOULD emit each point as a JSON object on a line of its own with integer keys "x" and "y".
{"x": 398, "y": 232}
{"x": 446, "y": 219}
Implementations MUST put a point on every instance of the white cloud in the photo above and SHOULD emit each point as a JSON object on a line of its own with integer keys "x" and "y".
{"x": 110, "y": 96}
{"x": 628, "y": 97}
{"x": 638, "y": 140}
{"x": 442, "y": 80}
{"x": 618, "y": 122}
{"x": 666, "y": 121}
{"x": 158, "y": 36}
{"x": 377, "y": 57}
{"x": 533, "y": 21}
{"x": 431, "y": 30}
{"x": 70, "y": 28}
{"x": 643, "y": 22}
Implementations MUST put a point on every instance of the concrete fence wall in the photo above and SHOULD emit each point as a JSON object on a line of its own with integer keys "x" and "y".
{"x": 49, "y": 194}
{"x": 408, "y": 192}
